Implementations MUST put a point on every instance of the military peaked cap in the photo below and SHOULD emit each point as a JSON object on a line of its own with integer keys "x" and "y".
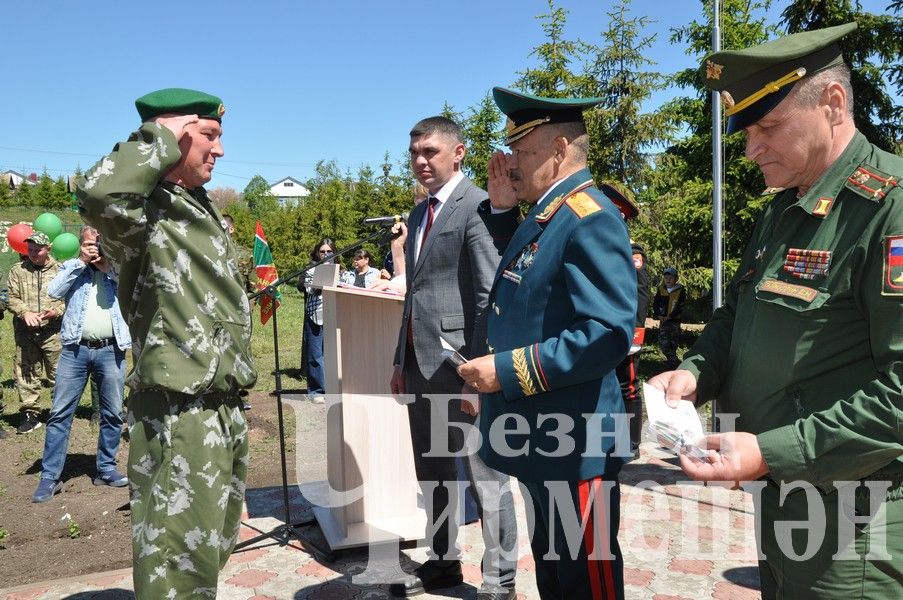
{"x": 179, "y": 101}
{"x": 526, "y": 112}
{"x": 754, "y": 80}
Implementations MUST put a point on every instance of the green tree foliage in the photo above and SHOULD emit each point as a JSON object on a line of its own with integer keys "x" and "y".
{"x": 554, "y": 77}
{"x": 6, "y": 194}
{"x": 677, "y": 225}
{"x": 895, "y": 70}
{"x": 484, "y": 136}
{"x": 24, "y": 195}
{"x": 335, "y": 208}
{"x": 872, "y": 52}
{"x": 258, "y": 197}
{"x": 621, "y": 135}
{"x": 50, "y": 193}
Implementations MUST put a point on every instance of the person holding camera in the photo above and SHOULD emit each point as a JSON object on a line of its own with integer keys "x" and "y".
{"x": 94, "y": 338}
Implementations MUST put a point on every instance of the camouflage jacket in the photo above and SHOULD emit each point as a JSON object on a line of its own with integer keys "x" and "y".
{"x": 246, "y": 268}
{"x": 28, "y": 292}
{"x": 180, "y": 288}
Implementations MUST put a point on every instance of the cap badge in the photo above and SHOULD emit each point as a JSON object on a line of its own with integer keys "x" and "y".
{"x": 713, "y": 70}
{"x": 220, "y": 111}
{"x": 727, "y": 99}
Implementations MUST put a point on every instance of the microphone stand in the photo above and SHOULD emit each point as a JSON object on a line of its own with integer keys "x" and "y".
{"x": 288, "y": 530}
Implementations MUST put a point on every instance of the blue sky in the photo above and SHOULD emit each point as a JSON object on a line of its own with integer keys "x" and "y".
{"x": 302, "y": 81}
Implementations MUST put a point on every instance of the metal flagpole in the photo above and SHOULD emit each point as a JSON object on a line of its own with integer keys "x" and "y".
{"x": 717, "y": 284}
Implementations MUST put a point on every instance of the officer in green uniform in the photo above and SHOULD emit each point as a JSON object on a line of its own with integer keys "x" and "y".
{"x": 807, "y": 349}
{"x": 182, "y": 294}
{"x": 562, "y": 309}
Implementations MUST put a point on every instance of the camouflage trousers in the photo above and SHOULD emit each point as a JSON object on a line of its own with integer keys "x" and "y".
{"x": 188, "y": 459}
{"x": 37, "y": 352}
{"x": 668, "y": 339}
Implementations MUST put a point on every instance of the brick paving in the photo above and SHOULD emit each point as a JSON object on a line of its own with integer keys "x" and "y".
{"x": 680, "y": 541}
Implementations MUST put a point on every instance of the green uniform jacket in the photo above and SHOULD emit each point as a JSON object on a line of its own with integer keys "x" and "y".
{"x": 28, "y": 292}
{"x": 808, "y": 347}
{"x": 180, "y": 288}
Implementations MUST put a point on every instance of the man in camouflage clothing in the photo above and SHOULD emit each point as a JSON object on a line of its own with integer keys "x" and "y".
{"x": 182, "y": 295}
{"x": 36, "y": 325}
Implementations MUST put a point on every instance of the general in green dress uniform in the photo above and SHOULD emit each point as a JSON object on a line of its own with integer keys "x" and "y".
{"x": 808, "y": 348}
{"x": 182, "y": 294}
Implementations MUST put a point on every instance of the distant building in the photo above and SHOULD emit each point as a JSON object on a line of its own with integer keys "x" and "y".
{"x": 289, "y": 191}
{"x": 14, "y": 179}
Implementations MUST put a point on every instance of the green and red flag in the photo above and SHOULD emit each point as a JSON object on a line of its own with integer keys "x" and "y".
{"x": 266, "y": 274}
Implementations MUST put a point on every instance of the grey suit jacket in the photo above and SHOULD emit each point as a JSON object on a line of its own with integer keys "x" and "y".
{"x": 448, "y": 285}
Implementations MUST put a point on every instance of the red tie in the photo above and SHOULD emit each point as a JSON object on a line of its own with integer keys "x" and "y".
{"x": 430, "y": 215}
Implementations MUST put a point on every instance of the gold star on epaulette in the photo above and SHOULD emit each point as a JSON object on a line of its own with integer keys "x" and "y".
{"x": 713, "y": 70}
{"x": 861, "y": 177}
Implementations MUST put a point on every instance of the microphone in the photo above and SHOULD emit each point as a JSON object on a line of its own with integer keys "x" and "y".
{"x": 386, "y": 221}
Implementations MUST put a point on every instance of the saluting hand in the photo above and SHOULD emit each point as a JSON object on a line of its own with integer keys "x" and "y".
{"x": 501, "y": 192}
{"x": 176, "y": 123}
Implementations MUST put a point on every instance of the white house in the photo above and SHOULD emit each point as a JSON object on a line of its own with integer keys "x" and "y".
{"x": 14, "y": 179}
{"x": 289, "y": 191}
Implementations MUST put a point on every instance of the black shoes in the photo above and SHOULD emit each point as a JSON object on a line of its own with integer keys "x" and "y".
{"x": 436, "y": 575}
{"x": 496, "y": 593}
{"x": 29, "y": 423}
{"x": 431, "y": 575}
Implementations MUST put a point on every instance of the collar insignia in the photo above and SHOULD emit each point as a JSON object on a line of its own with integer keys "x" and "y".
{"x": 823, "y": 207}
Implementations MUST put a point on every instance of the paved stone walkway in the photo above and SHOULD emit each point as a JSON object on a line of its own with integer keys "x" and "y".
{"x": 680, "y": 541}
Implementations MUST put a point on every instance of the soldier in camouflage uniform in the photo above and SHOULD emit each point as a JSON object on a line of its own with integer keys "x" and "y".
{"x": 183, "y": 297}
{"x": 36, "y": 325}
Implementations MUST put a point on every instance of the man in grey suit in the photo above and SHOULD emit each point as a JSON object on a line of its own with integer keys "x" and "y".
{"x": 450, "y": 263}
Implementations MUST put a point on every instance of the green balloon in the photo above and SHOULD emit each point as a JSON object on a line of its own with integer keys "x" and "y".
{"x": 64, "y": 246}
{"x": 49, "y": 223}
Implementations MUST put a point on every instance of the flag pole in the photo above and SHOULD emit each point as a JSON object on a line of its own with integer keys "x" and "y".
{"x": 717, "y": 201}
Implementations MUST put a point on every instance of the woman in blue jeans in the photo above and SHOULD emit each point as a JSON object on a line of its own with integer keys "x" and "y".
{"x": 312, "y": 341}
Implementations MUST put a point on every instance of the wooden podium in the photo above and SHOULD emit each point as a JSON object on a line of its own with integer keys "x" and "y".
{"x": 370, "y": 466}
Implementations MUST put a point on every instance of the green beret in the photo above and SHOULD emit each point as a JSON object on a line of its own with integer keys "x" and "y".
{"x": 525, "y": 112}
{"x": 179, "y": 101}
{"x": 38, "y": 237}
{"x": 754, "y": 80}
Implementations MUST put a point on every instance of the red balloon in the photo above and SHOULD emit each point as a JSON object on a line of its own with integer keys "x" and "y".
{"x": 16, "y": 237}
